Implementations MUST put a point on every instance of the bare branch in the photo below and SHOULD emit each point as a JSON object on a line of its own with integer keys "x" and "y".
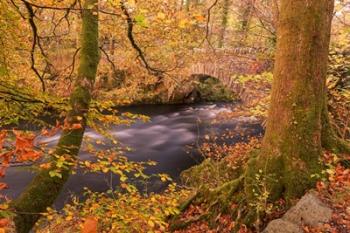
{"x": 109, "y": 60}
{"x": 153, "y": 71}
{"x": 34, "y": 43}
{"x": 72, "y": 66}
{"x": 206, "y": 38}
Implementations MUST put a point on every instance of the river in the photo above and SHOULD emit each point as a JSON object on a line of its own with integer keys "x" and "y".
{"x": 165, "y": 139}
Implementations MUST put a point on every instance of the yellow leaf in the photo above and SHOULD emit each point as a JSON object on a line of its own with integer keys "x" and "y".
{"x": 150, "y": 223}
{"x": 99, "y": 142}
{"x": 87, "y": 164}
{"x": 182, "y": 23}
{"x": 131, "y": 3}
{"x": 4, "y": 206}
{"x": 161, "y": 15}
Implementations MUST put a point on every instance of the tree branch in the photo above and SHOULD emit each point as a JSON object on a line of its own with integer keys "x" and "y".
{"x": 153, "y": 71}
{"x": 34, "y": 43}
{"x": 206, "y": 38}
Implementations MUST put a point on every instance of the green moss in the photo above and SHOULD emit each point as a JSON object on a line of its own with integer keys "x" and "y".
{"x": 80, "y": 98}
{"x": 209, "y": 173}
{"x": 35, "y": 199}
{"x": 223, "y": 196}
{"x": 89, "y": 42}
{"x": 264, "y": 170}
{"x": 211, "y": 89}
{"x": 44, "y": 189}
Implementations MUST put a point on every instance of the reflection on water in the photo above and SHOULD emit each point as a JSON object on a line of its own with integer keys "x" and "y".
{"x": 164, "y": 139}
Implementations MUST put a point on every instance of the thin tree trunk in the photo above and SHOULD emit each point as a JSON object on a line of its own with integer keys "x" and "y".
{"x": 188, "y": 5}
{"x": 247, "y": 10}
{"x": 181, "y": 4}
{"x": 43, "y": 190}
{"x": 224, "y": 22}
{"x": 292, "y": 144}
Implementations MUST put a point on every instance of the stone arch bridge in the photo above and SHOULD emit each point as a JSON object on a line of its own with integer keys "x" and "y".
{"x": 228, "y": 64}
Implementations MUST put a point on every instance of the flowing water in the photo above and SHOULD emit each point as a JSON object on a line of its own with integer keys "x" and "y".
{"x": 165, "y": 139}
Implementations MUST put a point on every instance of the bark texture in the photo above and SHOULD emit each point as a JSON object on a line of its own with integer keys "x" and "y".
{"x": 298, "y": 127}
{"x": 43, "y": 190}
{"x": 292, "y": 145}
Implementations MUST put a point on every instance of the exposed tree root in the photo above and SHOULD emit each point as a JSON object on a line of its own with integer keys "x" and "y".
{"x": 178, "y": 224}
{"x": 216, "y": 201}
{"x": 260, "y": 183}
{"x": 333, "y": 143}
{"x": 330, "y": 139}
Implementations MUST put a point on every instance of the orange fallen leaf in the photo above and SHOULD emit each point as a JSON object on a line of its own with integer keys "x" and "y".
{"x": 2, "y": 138}
{"x": 25, "y": 147}
{"x": 3, "y": 186}
{"x": 4, "y": 222}
{"x": 45, "y": 165}
{"x": 76, "y": 126}
{"x": 90, "y": 225}
{"x": 23, "y": 141}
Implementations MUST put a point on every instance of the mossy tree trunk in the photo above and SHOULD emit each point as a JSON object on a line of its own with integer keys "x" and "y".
{"x": 43, "y": 190}
{"x": 298, "y": 127}
{"x": 292, "y": 145}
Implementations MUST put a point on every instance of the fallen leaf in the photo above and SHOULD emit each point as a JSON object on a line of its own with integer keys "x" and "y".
{"x": 2, "y": 138}
{"x": 3, "y": 186}
{"x": 90, "y": 225}
{"x": 4, "y": 222}
{"x": 76, "y": 126}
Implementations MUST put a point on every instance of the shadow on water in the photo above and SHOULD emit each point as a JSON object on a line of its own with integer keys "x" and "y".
{"x": 164, "y": 139}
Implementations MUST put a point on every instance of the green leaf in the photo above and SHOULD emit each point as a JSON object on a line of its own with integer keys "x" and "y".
{"x": 141, "y": 20}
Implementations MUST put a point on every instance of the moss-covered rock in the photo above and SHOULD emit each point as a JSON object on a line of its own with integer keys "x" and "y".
{"x": 211, "y": 89}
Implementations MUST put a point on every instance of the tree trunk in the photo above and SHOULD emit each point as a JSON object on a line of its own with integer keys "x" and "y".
{"x": 188, "y": 5}
{"x": 43, "y": 190}
{"x": 224, "y": 21}
{"x": 297, "y": 125}
{"x": 292, "y": 145}
{"x": 248, "y": 7}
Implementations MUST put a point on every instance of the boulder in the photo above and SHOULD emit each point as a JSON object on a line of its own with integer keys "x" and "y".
{"x": 282, "y": 226}
{"x": 310, "y": 211}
